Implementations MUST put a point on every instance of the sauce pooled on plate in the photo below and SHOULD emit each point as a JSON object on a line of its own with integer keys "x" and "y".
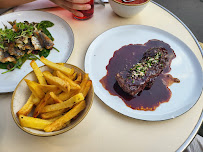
{"x": 124, "y": 59}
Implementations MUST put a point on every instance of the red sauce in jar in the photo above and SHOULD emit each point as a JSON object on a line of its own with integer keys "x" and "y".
{"x": 123, "y": 59}
{"x": 134, "y": 2}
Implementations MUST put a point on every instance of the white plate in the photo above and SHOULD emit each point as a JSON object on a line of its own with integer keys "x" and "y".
{"x": 184, "y": 67}
{"x": 63, "y": 40}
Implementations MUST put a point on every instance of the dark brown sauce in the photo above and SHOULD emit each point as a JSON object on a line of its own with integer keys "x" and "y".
{"x": 123, "y": 59}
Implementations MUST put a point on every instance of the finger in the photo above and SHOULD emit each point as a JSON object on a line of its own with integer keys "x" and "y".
{"x": 58, "y": 2}
{"x": 78, "y": 1}
{"x": 76, "y": 13}
{"x": 81, "y": 6}
{"x": 76, "y": 6}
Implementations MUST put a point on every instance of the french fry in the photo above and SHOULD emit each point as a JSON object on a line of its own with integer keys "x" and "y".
{"x": 55, "y": 98}
{"x": 25, "y": 110}
{"x": 35, "y": 100}
{"x": 67, "y": 117}
{"x": 86, "y": 88}
{"x": 58, "y": 97}
{"x": 48, "y": 88}
{"x": 61, "y": 64}
{"x": 52, "y": 114}
{"x": 55, "y": 66}
{"x": 66, "y": 104}
{"x": 41, "y": 105}
{"x": 35, "y": 123}
{"x": 33, "y": 86}
{"x": 79, "y": 78}
{"x": 84, "y": 81}
{"x": 64, "y": 96}
{"x": 38, "y": 72}
{"x": 63, "y": 85}
{"x": 63, "y": 126}
{"x": 54, "y": 73}
{"x": 55, "y": 118}
{"x": 56, "y": 92}
{"x": 64, "y": 77}
{"x": 73, "y": 76}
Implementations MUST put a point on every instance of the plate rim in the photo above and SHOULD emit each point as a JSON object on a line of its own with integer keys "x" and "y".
{"x": 85, "y": 63}
{"x": 59, "y": 18}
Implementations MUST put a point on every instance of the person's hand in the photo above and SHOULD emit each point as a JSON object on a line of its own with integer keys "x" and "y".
{"x": 74, "y": 5}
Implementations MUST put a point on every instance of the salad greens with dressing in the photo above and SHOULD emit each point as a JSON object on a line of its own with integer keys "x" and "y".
{"x": 24, "y": 41}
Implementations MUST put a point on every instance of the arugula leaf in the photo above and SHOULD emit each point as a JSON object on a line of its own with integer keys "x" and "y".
{"x": 25, "y": 28}
{"x": 33, "y": 57}
{"x": 56, "y": 49}
{"x": 45, "y": 24}
{"x": 45, "y": 31}
{"x": 5, "y": 65}
{"x": 44, "y": 52}
{"x": 7, "y": 34}
{"x": 19, "y": 62}
{"x": 15, "y": 66}
{"x": 1, "y": 45}
{"x": 24, "y": 58}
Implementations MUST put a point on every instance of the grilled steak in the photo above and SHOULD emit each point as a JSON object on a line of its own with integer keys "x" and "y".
{"x": 142, "y": 75}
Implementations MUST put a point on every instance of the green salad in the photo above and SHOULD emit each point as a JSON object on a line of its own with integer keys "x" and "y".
{"x": 24, "y": 41}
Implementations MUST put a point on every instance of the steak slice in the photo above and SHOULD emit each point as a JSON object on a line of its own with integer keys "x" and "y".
{"x": 142, "y": 75}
